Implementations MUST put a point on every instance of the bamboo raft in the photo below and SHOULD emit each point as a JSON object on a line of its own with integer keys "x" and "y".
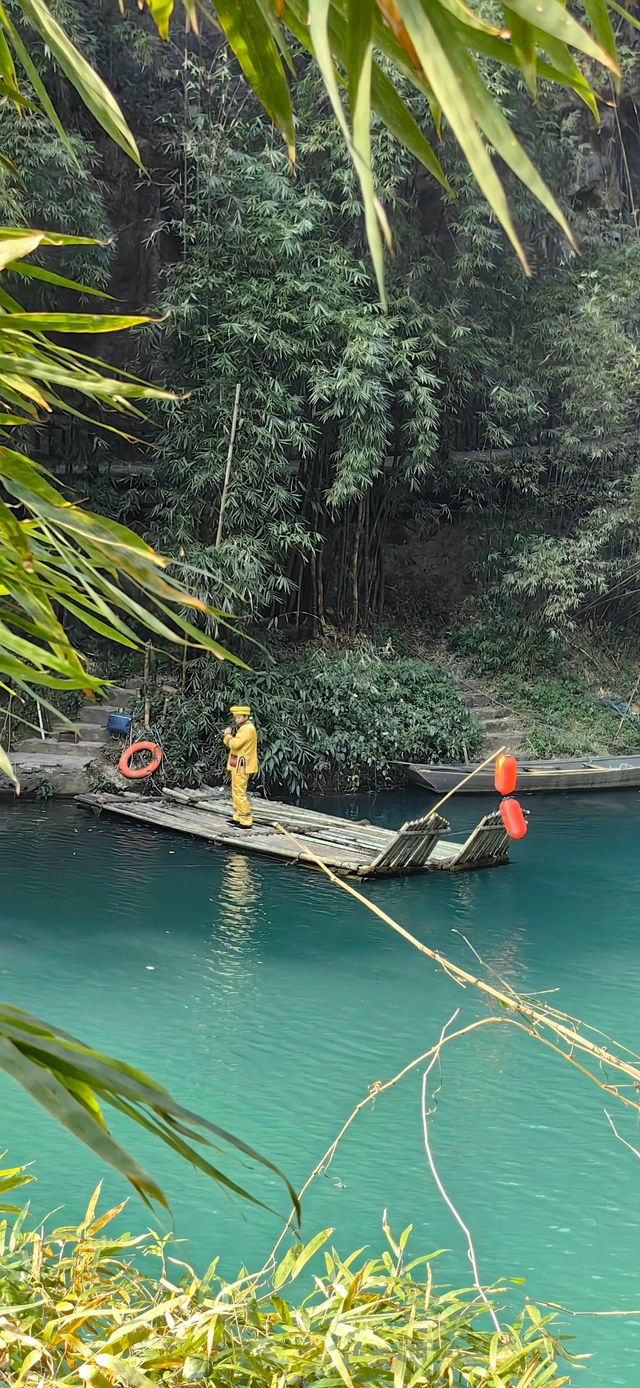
{"x": 349, "y": 847}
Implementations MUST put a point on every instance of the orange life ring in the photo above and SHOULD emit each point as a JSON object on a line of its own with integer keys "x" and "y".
{"x": 124, "y": 765}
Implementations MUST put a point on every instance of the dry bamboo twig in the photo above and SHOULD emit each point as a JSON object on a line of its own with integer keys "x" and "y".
{"x": 511, "y": 1002}
{"x": 375, "y": 1090}
{"x": 471, "y": 1253}
{"x": 561, "y": 1026}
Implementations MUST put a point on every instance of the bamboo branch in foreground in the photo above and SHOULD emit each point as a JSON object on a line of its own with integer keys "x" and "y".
{"x": 535, "y": 1019}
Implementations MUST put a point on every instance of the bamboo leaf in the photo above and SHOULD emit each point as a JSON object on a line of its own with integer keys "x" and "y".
{"x": 36, "y": 272}
{"x": 48, "y": 238}
{"x": 13, "y": 247}
{"x": 398, "y": 119}
{"x": 7, "y": 68}
{"x": 251, "y": 39}
{"x": 70, "y": 322}
{"x": 550, "y": 17}
{"x": 275, "y": 26}
{"x": 497, "y": 129}
{"x": 566, "y": 72}
{"x": 46, "y": 1089}
{"x": 119, "y": 1083}
{"x": 7, "y": 770}
{"x": 89, "y": 86}
{"x": 625, "y": 14}
{"x": 161, "y": 10}
{"x": 8, "y": 165}
{"x": 360, "y": 145}
{"x": 598, "y": 16}
{"x": 36, "y": 81}
{"x": 432, "y": 37}
{"x": 523, "y": 39}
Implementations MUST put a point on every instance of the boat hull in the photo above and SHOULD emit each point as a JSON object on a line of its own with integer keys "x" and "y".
{"x": 562, "y": 774}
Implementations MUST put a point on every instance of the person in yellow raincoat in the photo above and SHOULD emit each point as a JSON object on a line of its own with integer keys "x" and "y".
{"x": 242, "y": 762}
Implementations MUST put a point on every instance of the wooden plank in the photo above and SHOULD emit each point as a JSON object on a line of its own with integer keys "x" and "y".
{"x": 159, "y": 816}
{"x": 372, "y": 840}
{"x": 274, "y": 809}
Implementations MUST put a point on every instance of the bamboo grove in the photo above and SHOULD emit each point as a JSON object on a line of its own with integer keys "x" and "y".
{"x": 411, "y": 462}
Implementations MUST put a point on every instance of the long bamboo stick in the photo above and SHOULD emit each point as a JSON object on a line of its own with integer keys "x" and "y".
{"x": 563, "y": 1027}
{"x": 470, "y": 777}
{"x": 227, "y": 472}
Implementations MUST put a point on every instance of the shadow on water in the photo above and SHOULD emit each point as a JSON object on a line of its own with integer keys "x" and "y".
{"x": 270, "y": 1001}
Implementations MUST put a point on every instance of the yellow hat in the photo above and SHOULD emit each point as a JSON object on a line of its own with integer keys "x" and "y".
{"x": 240, "y": 708}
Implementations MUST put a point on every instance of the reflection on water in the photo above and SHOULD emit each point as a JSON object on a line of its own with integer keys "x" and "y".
{"x": 270, "y": 1002}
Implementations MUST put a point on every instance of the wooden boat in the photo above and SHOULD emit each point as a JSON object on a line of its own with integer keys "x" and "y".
{"x": 347, "y": 846}
{"x": 564, "y": 773}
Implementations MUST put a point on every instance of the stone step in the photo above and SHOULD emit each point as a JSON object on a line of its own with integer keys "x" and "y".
{"x": 97, "y": 713}
{"x": 94, "y": 713}
{"x": 34, "y": 761}
{"x": 510, "y": 740}
{"x": 488, "y": 711}
{"x": 499, "y": 725}
{"x": 80, "y": 732}
{"x": 474, "y": 698}
{"x": 119, "y": 696}
{"x": 50, "y": 747}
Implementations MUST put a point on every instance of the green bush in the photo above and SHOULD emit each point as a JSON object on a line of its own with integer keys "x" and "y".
{"x": 562, "y": 718}
{"x": 79, "y": 1310}
{"x": 496, "y": 638}
{"x": 326, "y": 720}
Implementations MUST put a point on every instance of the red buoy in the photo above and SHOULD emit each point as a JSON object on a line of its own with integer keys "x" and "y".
{"x": 513, "y": 819}
{"x": 505, "y": 775}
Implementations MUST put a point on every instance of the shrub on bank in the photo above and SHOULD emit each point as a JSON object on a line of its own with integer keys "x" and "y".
{"x": 326, "y": 720}
{"x": 495, "y": 638}
{"x": 78, "y": 1310}
{"x": 562, "y": 718}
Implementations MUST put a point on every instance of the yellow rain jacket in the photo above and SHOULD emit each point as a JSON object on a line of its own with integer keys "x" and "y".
{"x": 242, "y": 747}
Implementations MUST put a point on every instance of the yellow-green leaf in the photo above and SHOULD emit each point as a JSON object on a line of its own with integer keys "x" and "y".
{"x": 162, "y": 11}
{"x": 7, "y": 769}
{"x": 431, "y": 36}
{"x": 391, "y": 109}
{"x": 70, "y": 322}
{"x": 551, "y": 17}
{"x": 252, "y": 42}
{"x": 523, "y": 39}
{"x": 494, "y": 125}
{"x": 89, "y": 86}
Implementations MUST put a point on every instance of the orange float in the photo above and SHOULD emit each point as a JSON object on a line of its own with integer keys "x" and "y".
{"x": 513, "y": 818}
{"x": 124, "y": 765}
{"x": 505, "y": 775}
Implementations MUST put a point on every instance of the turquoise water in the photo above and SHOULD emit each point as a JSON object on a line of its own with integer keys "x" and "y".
{"x": 266, "y": 999}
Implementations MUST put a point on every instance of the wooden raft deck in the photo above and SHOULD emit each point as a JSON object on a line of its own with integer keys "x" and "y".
{"x": 350, "y": 847}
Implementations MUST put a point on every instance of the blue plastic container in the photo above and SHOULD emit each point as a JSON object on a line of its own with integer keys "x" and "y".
{"x": 119, "y": 723}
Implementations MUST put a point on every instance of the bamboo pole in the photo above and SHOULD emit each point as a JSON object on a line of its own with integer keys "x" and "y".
{"x": 227, "y": 474}
{"x": 147, "y": 704}
{"x": 470, "y": 776}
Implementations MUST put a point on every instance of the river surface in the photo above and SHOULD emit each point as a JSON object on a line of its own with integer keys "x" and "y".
{"x": 266, "y": 999}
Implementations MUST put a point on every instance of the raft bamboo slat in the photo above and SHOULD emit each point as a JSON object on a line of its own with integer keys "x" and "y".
{"x": 349, "y": 847}
{"x": 486, "y": 845}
